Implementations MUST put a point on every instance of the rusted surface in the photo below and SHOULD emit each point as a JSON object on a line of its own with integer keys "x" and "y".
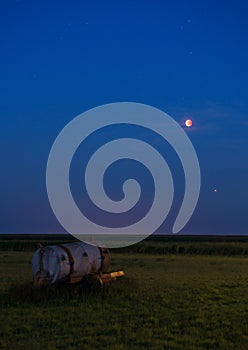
{"x": 68, "y": 252}
{"x": 69, "y": 262}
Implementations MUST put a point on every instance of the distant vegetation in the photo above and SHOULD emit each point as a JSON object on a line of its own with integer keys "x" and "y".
{"x": 155, "y": 244}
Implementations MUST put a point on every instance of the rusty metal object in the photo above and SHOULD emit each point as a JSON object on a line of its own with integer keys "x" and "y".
{"x": 70, "y": 263}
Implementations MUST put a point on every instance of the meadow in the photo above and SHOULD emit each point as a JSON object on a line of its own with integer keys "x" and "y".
{"x": 170, "y": 298}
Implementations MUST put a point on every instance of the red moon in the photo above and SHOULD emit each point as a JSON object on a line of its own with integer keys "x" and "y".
{"x": 188, "y": 123}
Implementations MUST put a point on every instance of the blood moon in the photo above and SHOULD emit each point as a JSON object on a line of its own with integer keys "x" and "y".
{"x": 188, "y": 123}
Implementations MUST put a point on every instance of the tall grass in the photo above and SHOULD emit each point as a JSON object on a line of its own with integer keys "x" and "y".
{"x": 163, "y": 245}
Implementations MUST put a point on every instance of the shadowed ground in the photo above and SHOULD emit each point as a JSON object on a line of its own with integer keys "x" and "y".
{"x": 163, "y": 302}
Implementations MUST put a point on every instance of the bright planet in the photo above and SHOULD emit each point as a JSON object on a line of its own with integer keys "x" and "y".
{"x": 188, "y": 123}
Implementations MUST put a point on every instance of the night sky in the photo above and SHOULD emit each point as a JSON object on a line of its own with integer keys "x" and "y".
{"x": 61, "y": 58}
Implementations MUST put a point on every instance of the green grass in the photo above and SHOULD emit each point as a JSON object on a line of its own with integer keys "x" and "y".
{"x": 163, "y": 302}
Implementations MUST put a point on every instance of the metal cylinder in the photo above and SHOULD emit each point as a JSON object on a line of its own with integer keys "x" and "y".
{"x": 68, "y": 262}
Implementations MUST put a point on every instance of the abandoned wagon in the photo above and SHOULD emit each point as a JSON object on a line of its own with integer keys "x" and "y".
{"x": 70, "y": 263}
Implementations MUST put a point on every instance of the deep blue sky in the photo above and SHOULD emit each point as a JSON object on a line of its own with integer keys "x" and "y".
{"x": 60, "y": 58}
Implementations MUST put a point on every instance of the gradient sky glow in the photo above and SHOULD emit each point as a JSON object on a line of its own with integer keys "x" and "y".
{"x": 187, "y": 58}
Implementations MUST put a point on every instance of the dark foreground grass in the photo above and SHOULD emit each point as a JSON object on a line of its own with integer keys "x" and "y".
{"x": 163, "y": 302}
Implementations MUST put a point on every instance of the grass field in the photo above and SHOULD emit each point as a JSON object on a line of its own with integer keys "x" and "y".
{"x": 165, "y": 301}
